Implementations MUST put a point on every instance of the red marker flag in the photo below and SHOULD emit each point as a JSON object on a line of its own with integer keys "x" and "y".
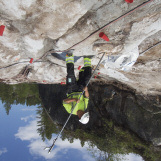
{"x": 31, "y": 60}
{"x": 2, "y": 27}
{"x": 129, "y": 1}
{"x": 103, "y": 36}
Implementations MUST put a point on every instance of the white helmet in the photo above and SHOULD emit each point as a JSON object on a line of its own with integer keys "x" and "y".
{"x": 85, "y": 118}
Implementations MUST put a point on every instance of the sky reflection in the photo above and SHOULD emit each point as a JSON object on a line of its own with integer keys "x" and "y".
{"x": 21, "y": 141}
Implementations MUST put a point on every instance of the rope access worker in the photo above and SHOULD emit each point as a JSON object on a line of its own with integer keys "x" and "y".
{"x": 75, "y": 88}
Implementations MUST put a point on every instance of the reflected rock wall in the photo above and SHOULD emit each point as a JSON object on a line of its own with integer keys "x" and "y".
{"x": 139, "y": 113}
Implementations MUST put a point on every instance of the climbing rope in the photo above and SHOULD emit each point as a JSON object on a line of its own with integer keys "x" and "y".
{"x": 150, "y": 48}
{"x": 158, "y": 43}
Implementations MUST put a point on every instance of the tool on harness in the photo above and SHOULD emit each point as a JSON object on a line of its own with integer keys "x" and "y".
{"x": 52, "y": 146}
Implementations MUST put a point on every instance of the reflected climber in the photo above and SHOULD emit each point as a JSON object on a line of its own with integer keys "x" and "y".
{"x": 75, "y": 88}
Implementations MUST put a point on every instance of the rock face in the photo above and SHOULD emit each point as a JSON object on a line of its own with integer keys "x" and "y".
{"x": 34, "y": 27}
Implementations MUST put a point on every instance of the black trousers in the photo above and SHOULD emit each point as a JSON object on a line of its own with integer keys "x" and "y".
{"x": 72, "y": 84}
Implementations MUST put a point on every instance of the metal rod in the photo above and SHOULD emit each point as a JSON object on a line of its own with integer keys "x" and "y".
{"x": 51, "y": 147}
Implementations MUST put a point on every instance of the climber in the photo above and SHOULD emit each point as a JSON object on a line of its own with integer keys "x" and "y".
{"x": 75, "y": 88}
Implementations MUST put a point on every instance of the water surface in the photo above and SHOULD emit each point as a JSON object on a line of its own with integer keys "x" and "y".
{"x": 26, "y": 129}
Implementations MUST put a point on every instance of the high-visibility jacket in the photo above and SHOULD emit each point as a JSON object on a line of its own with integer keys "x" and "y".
{"x": 82, "y": 105}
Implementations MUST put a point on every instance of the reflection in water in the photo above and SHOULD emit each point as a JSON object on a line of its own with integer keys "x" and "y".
{"x": 24, "y": 94}
{"x": 102, "y": 133}
{"x": 36, "y": 126}
{"x": 36, "y": 145}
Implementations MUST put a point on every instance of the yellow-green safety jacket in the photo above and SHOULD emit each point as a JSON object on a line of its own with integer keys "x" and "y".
{"x": 82, "y": 105}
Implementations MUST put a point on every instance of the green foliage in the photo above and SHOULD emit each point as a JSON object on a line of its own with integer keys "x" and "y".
{"x": 46, "y": 125}
{"x": 25, "y": 94}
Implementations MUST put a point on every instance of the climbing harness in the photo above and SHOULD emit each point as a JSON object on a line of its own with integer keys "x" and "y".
{"x": 51, "y": 147}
